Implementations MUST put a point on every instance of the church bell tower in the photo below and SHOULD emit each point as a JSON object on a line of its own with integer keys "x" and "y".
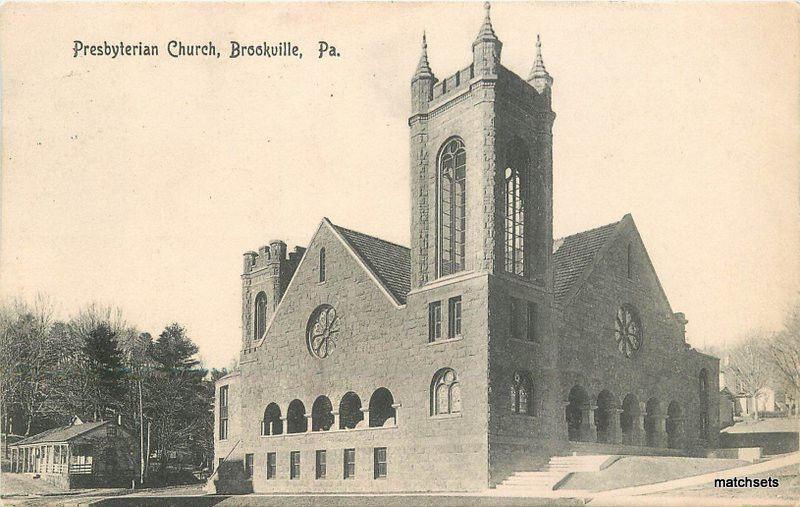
{"x": 481, "y": 168}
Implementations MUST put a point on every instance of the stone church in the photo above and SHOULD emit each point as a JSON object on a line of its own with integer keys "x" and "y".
{"x": 485, "y": 348}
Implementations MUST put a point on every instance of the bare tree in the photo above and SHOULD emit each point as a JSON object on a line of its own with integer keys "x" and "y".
{"x": 750, "y": 367}
{"x": 784, "y": 354}
{"x": 27, "y": 358}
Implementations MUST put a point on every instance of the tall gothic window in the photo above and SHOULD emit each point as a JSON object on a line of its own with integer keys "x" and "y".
{"x": 514, "y": 223}
{"x": 452, "y": 203}
{"x": 260, "y": 324}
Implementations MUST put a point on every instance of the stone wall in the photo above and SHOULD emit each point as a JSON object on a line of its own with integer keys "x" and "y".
{"x": 664, "y": 368}
{"x": 379, "y": 345}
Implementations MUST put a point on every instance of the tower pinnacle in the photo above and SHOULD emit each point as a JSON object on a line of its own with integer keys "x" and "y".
{"x": 423, "y": 68}
{"x": 539, "y": 77}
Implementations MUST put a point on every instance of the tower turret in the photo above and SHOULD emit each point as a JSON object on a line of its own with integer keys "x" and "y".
{"x": 539, "y": 78}
{"x": 487, "y": 47}
{"x": 422, "y": 82}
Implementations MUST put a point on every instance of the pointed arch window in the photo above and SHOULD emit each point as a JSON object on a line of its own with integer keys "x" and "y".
{"x": 452, "y": 205}
{"x": 445, "y": 393}
{"x": 521, "y": 393}
{"x": 260, "y": 324}
{"x": 514, "y": 217}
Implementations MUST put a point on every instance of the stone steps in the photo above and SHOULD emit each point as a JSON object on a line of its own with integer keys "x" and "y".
{"x": 544, "y": 481}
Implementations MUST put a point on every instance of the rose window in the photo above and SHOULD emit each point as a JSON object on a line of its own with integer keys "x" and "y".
{"x": 323, "y": 327}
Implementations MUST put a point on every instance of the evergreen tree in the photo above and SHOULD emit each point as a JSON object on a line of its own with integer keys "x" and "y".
{"x": 105, "y": 372}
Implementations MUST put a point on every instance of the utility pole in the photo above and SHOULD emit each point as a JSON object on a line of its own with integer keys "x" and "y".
{"x": 141, "y": 435}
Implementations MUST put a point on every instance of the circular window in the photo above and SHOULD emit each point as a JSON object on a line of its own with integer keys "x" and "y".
{"x": 627, "y": 330}
{"x": 321, "y": 331}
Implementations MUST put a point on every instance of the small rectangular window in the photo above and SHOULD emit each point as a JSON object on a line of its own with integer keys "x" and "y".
{"x": 294, "y": 465}
{"x": 380, "y": 463}
{"x": 349, "y": 463}
{"x": 272, "y": 460}
{"x": 532, "y": 320}
{"x": 321, "y": 464}
{"x": 219, "y": 463}
{"x": 454, "y": 317}
{"x": 223, "y": 429}
{"x": 248, "y": 466}
{"x": 434, "y": 321}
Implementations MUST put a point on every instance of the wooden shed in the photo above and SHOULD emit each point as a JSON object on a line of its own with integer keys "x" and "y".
{"x": 91, "y": 454}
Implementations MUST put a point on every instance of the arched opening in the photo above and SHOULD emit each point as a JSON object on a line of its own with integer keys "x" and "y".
{"x": 674, "y": 425}
{"x": 604, "y": 416}
{"x": 272, "y": 424}
{"x": 350, "y": 411}
{"x": 260, "y": 322}
{"x": 652, "y": 421}
{"x": 445, "y": 393}
{"x": 321, "y": 414}
{"x": 296, "y": 421}
{"x": 628, "y": 419}
{"x": 380, "y": 408}
{"x": 576, "y": 410}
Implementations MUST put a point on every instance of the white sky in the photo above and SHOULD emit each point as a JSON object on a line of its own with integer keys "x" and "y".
{"x": 140, "y": 182}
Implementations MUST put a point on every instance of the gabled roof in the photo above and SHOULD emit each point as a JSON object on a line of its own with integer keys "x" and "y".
{"x": 573, "y": 254}
{"x": 62, "y": 433}
{"x": 390, "y": 262}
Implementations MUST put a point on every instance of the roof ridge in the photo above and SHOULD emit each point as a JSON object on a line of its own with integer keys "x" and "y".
{"x": 588, "y": 230}
{"x": 370, "y": 236}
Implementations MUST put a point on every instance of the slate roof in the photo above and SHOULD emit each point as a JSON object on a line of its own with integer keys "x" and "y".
{"x": 390, "y": 262}
{"x": 572, "y": 254}
{"x": 61, "y": 434}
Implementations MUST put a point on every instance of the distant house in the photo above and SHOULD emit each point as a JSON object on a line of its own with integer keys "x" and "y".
{"x": 78, "y": 455}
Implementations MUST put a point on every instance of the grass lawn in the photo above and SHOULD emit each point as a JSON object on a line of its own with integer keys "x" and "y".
{"x": 639, "y": 470}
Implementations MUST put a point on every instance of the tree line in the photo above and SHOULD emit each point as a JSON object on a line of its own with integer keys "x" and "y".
{"x": 96, "y": 366}
{"x": 767, "y": 360}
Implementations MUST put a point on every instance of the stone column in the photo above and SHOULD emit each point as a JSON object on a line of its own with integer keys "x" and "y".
{"x": 285, "y": 424}
{"x": 309, "y": 426}
{"x": 660, "y": 430}
{"x": 614, "y": 427}
{"x": 336, "y": 423}
{"x": 588, "y": 428}
{"x": 637, "y": 432}
{"x": 396, "y": 408}
{"x": 364, "y": 423}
